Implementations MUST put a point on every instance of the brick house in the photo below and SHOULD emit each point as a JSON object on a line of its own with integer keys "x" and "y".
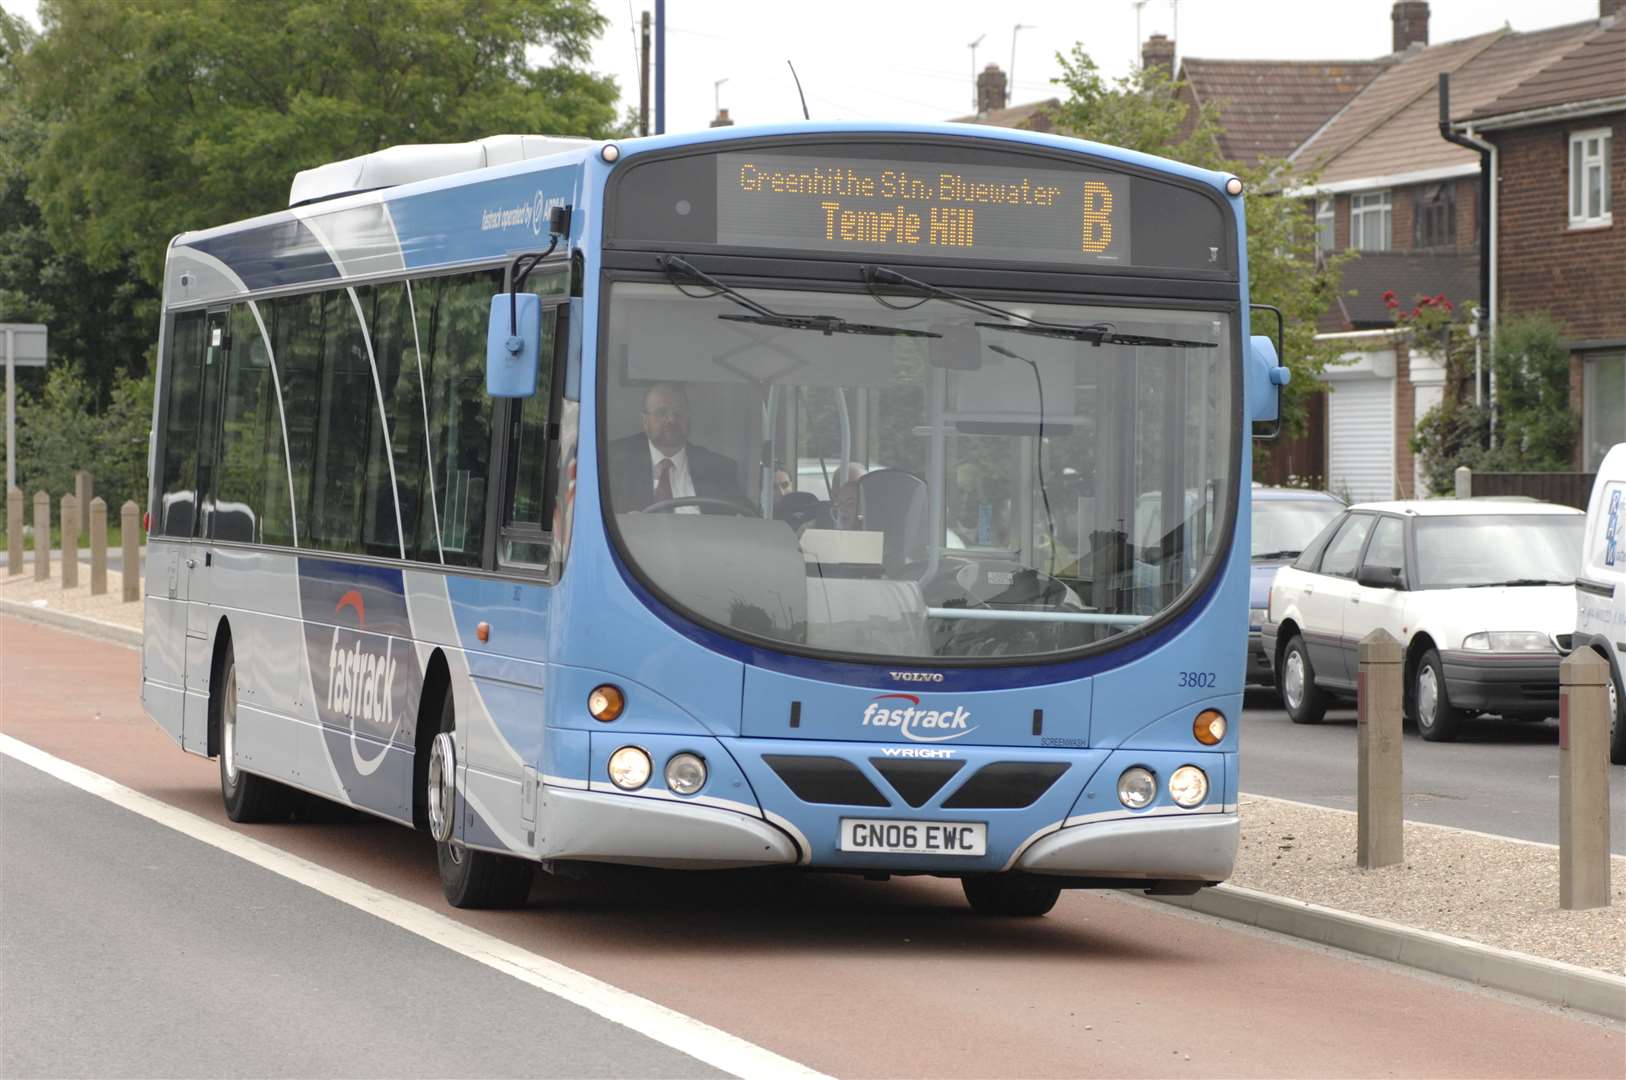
{"x": 1559, "y": 139}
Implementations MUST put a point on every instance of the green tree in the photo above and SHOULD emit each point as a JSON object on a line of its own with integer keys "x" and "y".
{"x": 166, "y": 115}
{"x": 1530, "y": 427}
{"x": 1142, "y": 111}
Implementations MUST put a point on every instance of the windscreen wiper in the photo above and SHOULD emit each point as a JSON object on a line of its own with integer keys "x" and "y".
{"x": 1094, "y": 333}
{"x": 1285, "y": 553}
{"x": 762, "y": 315}
{"x": 1519, "y": 581}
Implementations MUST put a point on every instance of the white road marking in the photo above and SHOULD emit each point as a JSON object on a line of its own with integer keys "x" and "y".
{"x": 685, "y": 1034}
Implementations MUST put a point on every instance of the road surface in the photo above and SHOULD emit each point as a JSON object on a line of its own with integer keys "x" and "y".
{"x": 126, "y": 950}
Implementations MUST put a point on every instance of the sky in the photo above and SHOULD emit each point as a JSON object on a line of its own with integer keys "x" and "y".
{"x": 909, "y": 60}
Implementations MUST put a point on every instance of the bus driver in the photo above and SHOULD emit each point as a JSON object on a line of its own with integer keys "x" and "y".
{"x": 662, "y": 464}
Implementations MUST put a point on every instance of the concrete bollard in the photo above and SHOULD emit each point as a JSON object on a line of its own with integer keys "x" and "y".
{"x": 1380, "y": 824}
{"x": 98, "y": 546}
{"x": 84, "y": 489}
{"x": 1583, "y": 781}
{"x": 130, "y": 527}
{"x": 1464, "y": 478}
{"x": 70, "y": 542}
{"x": 14, "y": 531}
{"x": 42, "y": 536}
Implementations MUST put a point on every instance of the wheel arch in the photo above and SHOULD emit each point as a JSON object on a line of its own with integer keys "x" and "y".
{"x": 1420, "y": 643}
{"x": 1287, "y": 631}
{"x": 437, "y": 683}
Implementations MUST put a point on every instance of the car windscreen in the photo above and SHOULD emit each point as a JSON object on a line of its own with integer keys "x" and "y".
{"x": 1498, "y": 549}
{"x": 910, "y": 484}
{"x": 1283, "y": 528}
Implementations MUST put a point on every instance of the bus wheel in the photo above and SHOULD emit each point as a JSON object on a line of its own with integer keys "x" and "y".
{"x": 1010, "y": 894}
{"x": 248, "y": 798}
{"x": 470, "y": 879}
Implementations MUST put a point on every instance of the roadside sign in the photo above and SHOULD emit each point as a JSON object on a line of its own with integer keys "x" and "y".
{"x": 24, "y": 346}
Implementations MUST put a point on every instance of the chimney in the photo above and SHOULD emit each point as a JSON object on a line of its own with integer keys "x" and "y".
{"x": 1158, "y": 52}
{"x": 722, "y": 119}
{"x": 1411, "y": 23}
{"x": 990, "y": 90}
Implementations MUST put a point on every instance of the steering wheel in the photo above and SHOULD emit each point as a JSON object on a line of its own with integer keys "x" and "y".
{"x": 742, "y": 509}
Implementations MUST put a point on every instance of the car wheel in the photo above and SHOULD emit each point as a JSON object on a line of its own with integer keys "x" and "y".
{"x": 1437, "y": 719}
{"x": 1617, "y": 722}
{"x": 1305, "y": 701}
{"x": 1011, "y": 895}
{"x": 249, "y": 799}
{"x": 470, "y": 879}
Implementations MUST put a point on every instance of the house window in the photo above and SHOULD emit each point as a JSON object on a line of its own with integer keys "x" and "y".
{"x": 1369, "y": 220}
{"x": 1589, "y": 178}
{"x": 1434, "y": 216}
{"x": 1604, "y": 419}
{"x": 1323, "y": 225}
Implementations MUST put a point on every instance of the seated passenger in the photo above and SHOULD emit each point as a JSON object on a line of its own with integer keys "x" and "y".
{"x": 662, "y": 464}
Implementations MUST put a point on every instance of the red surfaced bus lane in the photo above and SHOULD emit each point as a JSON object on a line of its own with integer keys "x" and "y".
{"x": 859, "y": 978}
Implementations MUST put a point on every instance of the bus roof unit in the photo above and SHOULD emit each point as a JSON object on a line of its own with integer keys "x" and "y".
{"x": 405, "y": 164}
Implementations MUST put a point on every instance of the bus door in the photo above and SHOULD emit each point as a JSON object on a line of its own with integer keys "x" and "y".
{"x": 193, "y": 578}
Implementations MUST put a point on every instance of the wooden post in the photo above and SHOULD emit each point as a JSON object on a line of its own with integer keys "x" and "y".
{"x": 42, "y": 536}
{"x": 98, "y": 546}
{"x": 130, "y": 527}
{"x": 1464, "y": 477}
{"x": 70, "y": 542}
{"x": 14, "y": 531}
{"x": 84, "y": 489}
{"x": 1380, "y": 824}
{"x": 1583, "y": 781}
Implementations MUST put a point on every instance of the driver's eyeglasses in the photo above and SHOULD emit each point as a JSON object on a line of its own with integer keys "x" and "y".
{"x": 668, "y": 414}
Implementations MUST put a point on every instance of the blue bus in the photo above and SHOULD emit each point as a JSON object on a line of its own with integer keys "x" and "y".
{"x": 853, "y": 498}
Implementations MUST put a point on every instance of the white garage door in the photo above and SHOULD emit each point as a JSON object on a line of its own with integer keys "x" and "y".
{"x": 1361, "y": 439}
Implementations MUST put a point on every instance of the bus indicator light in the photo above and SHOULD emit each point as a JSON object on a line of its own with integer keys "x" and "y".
{"x": 606, "y": 703}
{"x": 1209, "y": 727}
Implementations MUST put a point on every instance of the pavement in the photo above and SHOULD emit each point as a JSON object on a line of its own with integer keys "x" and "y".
{"x": 844, "y": 975}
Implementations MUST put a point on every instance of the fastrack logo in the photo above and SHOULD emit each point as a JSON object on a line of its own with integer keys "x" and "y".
{"x": 360, "y": 683}
{"x": 911, "y": 721}
{"x": 916, "y": 676}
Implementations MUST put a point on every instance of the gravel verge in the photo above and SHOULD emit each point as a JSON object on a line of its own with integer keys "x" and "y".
{"x": 1487, "y": 889}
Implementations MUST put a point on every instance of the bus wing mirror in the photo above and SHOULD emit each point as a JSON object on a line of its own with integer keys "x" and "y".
{"x": 513, "y": 340}
{"x": 1266, "y": 377}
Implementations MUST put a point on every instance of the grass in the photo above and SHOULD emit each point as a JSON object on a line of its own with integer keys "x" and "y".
{"x": 115, "y": 539}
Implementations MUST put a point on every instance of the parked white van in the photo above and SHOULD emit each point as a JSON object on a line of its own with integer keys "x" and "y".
{"x": 1600, "y": 591}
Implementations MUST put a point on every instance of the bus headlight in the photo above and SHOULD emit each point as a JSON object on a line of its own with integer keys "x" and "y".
{"x": 685, "y": 773}
{"x": 1137, "y": 787}
{"x": 630, "y": 768}
{"x": 1188, "y": 787}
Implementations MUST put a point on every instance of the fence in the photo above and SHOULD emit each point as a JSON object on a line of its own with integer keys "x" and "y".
{"x": 1565, "y": 489}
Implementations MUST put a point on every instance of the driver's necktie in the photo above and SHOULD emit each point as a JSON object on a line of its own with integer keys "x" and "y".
{"x": 663, "y": 482}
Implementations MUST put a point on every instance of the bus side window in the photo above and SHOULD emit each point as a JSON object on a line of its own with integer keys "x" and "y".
{"x": 177, "y": 487}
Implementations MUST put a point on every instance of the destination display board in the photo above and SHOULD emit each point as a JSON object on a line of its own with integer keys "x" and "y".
{"x": 992, "y": 212}
{"x": 964, "y": 202}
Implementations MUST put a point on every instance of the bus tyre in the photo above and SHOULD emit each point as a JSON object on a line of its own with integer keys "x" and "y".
{"x": 470, "y": 879}
{"x": 1305, "y": 701}
{"x": 249, "y": 799}
{"x": 1437, "y": 719}
{"x": 1010, "y": 895}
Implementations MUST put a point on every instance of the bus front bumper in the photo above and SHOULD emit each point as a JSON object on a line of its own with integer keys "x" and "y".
{"x": 600, "y": 827}
{"x": 1186, "y": 847}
